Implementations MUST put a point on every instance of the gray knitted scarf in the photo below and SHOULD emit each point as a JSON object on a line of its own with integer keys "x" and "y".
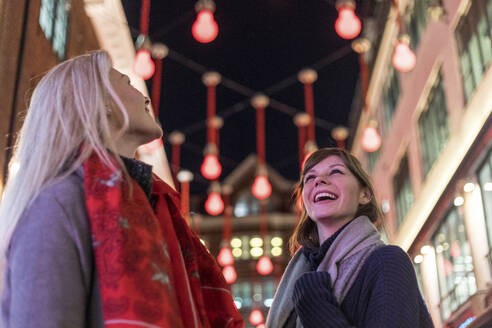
{"x": 342, "y": 261}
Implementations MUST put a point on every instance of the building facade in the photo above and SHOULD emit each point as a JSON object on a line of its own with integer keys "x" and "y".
{"x": 34, "y": 36}
{"x": 433, "y": 171}
{"x": 253, "y": 234}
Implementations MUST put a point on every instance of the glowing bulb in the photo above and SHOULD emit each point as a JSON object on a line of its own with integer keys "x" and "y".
{"x": 426, "y": 249}
{"x": 143, "y": 64}
{"x": 230, "y": 274}
{"x": 276, "y": 241}
{"x": 404, "y": 58}
{"x": 214, "y": 204}
{"x": 370, "y": 140}
{"x": 256, "y": 242}
{"x": 237, "y": 252}
{"x": 276, "y": 251}
{"x": 225, "y": 257}
{"x": 256, "y": 251}
{"x": 256, "y": 317}
{"x": 236, "y": 242}
{"x": 264, "y": 265}
{"x": 261, "y": 187}
{"x": 347, "y": 24}
{"x": 205, "y": 28}
{"x": 458, "y": 201}
{"x": 211, "y": 167}
{"x": 418, "y": 259}
{"x": 469, "y": 187}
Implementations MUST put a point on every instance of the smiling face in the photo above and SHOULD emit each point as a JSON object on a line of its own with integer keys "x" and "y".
{"x": 332, "y": 194}
{"x": 142, "y": 125}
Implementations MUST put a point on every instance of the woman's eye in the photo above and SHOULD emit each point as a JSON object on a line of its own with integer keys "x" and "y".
{"x": 336, "y": 171}
{"x": 309, "y": 177}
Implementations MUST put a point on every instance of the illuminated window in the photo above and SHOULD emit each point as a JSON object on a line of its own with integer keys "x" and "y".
{"x": 246, "y": 205}
{"x": 53, "y": 19}
{"x": 391, "y": 94}
{"x": 416, "y": 21}
{"x": 372, "y": 158}
{"x": 433, "y": 126}
{"x": 485, "y": 180}
{"x": 249, "y": 294}
{"x": 454, "y": 263}
{"x": 251, "y": 247}
{"x": 403, "y": 191}
{"x": 473, "y": 36}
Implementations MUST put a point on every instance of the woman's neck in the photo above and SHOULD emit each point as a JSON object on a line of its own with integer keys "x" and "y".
{"x": 327, "y": 229}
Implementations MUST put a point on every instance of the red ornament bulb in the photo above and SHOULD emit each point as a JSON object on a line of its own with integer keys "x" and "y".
{"x": 256, "y": 317}
{"x": 261, "y": 189}
{"x": 404, "y": 58}
{"x": 211, "y": 167}
{"x": 225, "y": 257}
{"x": 205, "y": 28}
{"x": 230, "y": 274}
{"x": 143, "y": 64}
{"x": 264, "y": 265}
{"x": 214, "y": 205}
{"x": 370, "y": 140}
{"x": 347, "y": 24}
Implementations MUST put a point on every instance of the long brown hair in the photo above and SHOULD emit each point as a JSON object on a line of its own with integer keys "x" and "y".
{"x": 306, "y": 231}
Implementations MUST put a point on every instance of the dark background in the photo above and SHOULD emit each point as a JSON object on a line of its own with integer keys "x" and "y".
{"x": 261, "y": 46}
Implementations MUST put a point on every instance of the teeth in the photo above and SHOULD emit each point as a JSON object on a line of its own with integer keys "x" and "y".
{"x": 324, "y": 195}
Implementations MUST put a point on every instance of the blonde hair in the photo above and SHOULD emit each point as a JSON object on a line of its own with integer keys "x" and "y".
{"x": 65, "y": 123}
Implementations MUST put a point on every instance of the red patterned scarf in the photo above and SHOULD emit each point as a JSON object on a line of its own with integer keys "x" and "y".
{"x": 153, "y": 271}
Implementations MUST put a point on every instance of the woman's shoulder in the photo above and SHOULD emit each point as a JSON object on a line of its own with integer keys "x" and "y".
{"x": 65, "y": 191}
{"x": 388, "y": 259}
{"x": 58, "y": 206}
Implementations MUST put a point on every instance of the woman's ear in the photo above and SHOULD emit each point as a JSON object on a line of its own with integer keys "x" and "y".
{"x": 365, "y": 196}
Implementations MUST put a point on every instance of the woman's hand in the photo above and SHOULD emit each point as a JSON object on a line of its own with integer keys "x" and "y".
{"x": 315, "y": 303}
{"x": 314, "y": 286}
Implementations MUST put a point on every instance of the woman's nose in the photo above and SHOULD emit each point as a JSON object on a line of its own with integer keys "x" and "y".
{"x": 320, "y": 179}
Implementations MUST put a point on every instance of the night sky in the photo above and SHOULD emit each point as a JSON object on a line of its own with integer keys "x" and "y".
{"x": 261, "y": 46}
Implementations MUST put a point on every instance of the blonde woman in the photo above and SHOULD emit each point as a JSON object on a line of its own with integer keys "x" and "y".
{"x": 88, "y": 236}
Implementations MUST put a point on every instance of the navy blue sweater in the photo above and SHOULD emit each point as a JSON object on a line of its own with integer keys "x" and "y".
{"x": 384, "y": 294}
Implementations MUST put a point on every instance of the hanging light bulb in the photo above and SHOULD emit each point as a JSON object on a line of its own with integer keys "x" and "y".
{"x": 205, "y": 28}
{"x": 256, "y": 317}
{"x": 404, "y": 58}
{"x": 230, "y": 274}
{"x": 264, "y": 265}
{"x": 214, "y": 204}
{"x": 261, "y": 189}
{"x": 370, "y": 140}
{"x": 143, "y": 64}
{"x": 225, "y": 257}
{"x": 211, "y": 167}
{"x": 347, "y": 25}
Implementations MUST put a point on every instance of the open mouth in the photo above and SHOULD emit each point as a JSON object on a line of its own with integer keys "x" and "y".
{"x": 324, "y": 196}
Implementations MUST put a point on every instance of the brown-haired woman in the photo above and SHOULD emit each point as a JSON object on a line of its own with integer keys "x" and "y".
{"x": 342, "y": 274}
